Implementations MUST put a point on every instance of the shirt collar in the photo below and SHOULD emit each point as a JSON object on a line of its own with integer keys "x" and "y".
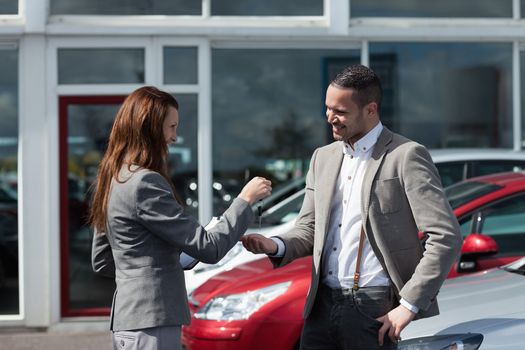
{"x": 366, "y": 143}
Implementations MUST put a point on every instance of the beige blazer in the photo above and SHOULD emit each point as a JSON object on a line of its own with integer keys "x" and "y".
{"x": 401, "y": 195}
{"x": 146, "y": 232}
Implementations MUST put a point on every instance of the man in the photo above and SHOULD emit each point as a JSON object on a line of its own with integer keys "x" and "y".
{"x": 367, "y": 197}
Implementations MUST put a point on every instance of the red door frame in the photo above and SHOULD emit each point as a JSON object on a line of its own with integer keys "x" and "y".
{"x": 64, "y": 102}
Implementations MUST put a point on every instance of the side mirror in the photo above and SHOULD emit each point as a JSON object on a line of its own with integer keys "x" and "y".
{"x": 475, "y": 245}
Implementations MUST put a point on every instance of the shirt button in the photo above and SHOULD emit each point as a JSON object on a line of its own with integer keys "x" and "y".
{"x": 329, "y": 272}
{"x": 339, "y": 225}
{"x": 351, "y": 156}
{"x": 344, "y": 201}
{"x": 349, "y": 178}
{"x": 335, "y": 248}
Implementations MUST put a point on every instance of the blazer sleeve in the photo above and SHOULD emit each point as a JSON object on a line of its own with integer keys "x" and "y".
{"x": 101, "y": 255}
{"x": 433, "y": 215}
{"x": 299, "y": 241}
{"x": 160, "y": 213}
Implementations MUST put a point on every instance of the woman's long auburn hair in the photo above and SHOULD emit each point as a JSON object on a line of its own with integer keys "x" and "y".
{"x": 136, "y": 138}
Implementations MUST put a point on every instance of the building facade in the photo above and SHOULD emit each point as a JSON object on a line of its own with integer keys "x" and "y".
{"x": 250, "y": 78}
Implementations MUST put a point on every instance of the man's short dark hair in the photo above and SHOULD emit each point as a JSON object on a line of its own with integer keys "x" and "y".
{"x": 364, "y": 81}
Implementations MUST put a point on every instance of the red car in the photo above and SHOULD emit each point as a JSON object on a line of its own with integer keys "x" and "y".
{"x": 257, "y": 307}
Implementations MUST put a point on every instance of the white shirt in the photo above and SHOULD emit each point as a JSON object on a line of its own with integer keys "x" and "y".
{"x": 342, "y": 241}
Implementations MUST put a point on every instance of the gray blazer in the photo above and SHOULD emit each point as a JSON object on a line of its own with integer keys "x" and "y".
{"x": 401, "y": 195}
{"x": 146, "y": 232}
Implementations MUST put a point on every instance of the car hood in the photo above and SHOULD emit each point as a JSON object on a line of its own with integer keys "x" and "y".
{"x": 484, "y": 303}
{"x": 250, "y": 276}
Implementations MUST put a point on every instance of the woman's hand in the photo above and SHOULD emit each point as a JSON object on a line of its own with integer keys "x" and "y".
{"x": 256, "y": 189}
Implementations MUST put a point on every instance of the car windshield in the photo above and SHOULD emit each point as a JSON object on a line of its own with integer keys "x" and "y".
{"x": 517, "y": 266}
{"x": 280, "y": 193}
{"x": 284, "y": 211}
{"x": 465, "y": 192}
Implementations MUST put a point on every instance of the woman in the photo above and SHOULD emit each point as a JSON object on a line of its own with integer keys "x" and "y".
{"x": 141, "y": 229}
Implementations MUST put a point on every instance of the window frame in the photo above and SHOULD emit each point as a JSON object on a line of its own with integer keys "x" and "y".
{"x": 64, "y": 102}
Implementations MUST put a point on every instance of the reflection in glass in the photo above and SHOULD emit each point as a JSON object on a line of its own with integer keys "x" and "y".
{"x": 180, "y": 65}
{"x": 268, "y": 112}
{"x": 505, "y": 222}
{"x": 443, "y": 8}
{"x": 447, "y": 94}
{"x": 88, "y": 130}
{"x": 125, "y": 7}
{"x": 8, "y": 7}
{"x": 9, "y": 282}
{"x": 183, "y": 162}
{"x": 522, "y": 80}
{"x": 100, "y": 66}
{"x": 451, "y": 172}
{"x": 89, "y": 126}
{"x": 267, "y": 8}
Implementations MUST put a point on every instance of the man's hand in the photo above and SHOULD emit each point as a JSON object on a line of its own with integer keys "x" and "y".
{"x": 394, "y": 322}
{"x": 258, "y": 244}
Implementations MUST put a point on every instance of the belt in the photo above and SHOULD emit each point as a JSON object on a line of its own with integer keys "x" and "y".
{"x": 363, "y": 293}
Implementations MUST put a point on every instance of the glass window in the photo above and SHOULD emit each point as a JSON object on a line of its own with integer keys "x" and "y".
{"x": 284, "y": 211}
{"x": 465, "y": 225}
{"x": 180, "y": 65}
{"x": 451, "y": 172}
{"x": 125, "y": 7}
{"x": 100, "y": 66}
{"x": 268, "y": 112}
{"x": 267, "y": 8}
{"x": 89, "y": 122}
{"x": 464, "y": 192}
{"x": 443, "y": 8}
{"x": 487, "y": 167}
{"x": 9, "y": 282}
{"x": 182, "y": 162}
{"x": 505, "y": 222}
{"x": 522, "y": 72}
{"x": 447, "y": 94}
{"x": 8, "y": 7}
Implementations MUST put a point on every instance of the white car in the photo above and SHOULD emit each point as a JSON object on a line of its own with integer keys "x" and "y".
{"x": 278, "y": 219}
{"x": 456, "y": 164}
{"x": 484, "y": 310}
{"x": 453, "y": 165}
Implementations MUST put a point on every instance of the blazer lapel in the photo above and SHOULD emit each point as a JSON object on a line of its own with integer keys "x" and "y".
{"x": 374, "y": 162}
{"x": 329, "y": 175}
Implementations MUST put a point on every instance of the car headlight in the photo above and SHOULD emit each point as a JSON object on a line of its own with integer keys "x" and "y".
{"x": 236, "y": 250}
{"x": 468, "y": 341}
{"x": 240, "y": 306}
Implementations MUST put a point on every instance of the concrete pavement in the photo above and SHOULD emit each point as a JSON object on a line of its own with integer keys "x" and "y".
{"x": 35, "y": 339}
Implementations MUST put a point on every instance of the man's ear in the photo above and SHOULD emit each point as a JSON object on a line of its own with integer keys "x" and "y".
{"x": 371, "y": 109}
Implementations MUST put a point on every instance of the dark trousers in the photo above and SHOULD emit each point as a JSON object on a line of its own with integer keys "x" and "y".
{"x": 345, "y": 319}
